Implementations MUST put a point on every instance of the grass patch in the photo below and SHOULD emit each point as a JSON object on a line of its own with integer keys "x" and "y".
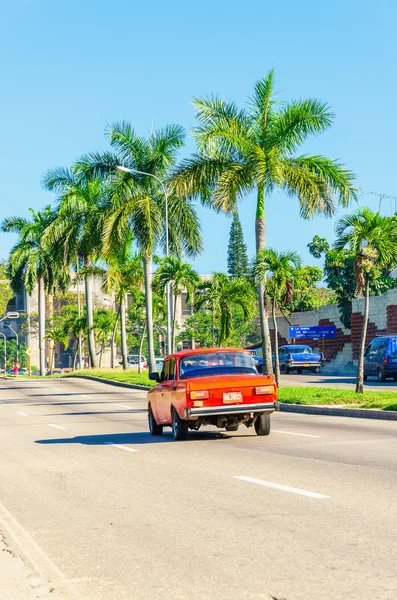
{"x": 333, "y": 396}
{"x": 130, "y": 376}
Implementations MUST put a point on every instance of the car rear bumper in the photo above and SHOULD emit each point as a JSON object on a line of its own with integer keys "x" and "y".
{"x": 241, "y": 409}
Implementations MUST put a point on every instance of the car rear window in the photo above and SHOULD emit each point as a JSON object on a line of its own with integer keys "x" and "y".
{"x": 216, "y": 363}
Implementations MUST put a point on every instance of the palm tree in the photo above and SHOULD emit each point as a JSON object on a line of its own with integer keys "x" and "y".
{"x": 123, "y": 274}
{"x": 138, "y": 202}
{"x": 254, "y": 149}
{"x": 103, "y": 326}
{"x": 372, "y": 242}
{"x": 32, "y": 263}
{"x": 221, "y": 295}
{"x": 78, "y": 227}
{"x": 281, "y": 266}
{"x": 181, "y": 275}
{"x": 56, "y": 334}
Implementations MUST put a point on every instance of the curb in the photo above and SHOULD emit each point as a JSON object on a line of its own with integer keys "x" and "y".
{"x": 360, "y": 413}
{"x": 133, "y": 386}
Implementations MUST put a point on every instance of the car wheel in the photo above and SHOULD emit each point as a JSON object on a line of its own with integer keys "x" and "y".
{"x": 381, "y": 375}
{"x": 262, "y": 424}
{"x": 365, "y": 377}
{"x": 299, "y": 371}
{"x": 283, "y": 369}
{"x": 153, "y": 427}
{"x": 179, "y": 427}
{"x": 317, "y": 370}
{"x": 231, "y": 428}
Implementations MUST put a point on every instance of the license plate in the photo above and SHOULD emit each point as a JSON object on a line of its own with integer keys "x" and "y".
{"x": 232, "y": 397}
{"x": 306, "y": 365}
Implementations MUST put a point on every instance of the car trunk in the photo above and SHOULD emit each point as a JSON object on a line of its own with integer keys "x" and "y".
{"x": 231, "y": 389}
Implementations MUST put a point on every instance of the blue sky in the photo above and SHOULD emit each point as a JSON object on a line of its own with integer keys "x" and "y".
{"x": 69, "y": 68}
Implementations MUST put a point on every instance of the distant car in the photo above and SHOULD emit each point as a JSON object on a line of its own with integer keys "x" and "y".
{"x": 214, "y": 386}
{"x": 380, "y": 358}
{"x": 133, "y": 360}
{"x": 159, "y": 362}
{"x": 299, "y": 358}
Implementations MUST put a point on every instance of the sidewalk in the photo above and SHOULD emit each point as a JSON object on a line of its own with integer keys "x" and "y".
{"x": 16, "y": 581}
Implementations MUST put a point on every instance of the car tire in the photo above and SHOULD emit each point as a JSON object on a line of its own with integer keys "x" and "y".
{"x": 179, "y": 427}
{"x": 283, "y": 369}
{"x": 231, "y": 428}
{"x": 299, "y": 371}
{"x": 153, "y": 427}
{"x": 365, "y": 377}
{"x": 381, "y": 375}
{"x": 262, "y": 424}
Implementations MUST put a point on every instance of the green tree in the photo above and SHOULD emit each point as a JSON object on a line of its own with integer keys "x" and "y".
{"x": 138, "y": 202}
{"x": 237, "y": 259}
{"x": 56, "y": 334}
{"x": 340, "y": 278}
{"x": 199, "y": 328}
{"x": 124, "y": 274}
{"x": 221, "y": 295}
{"x": 31, "y": 263}
{"x": 281, "y": 266}
{"x": 372, "y": 242}
{"x": 254, "y": 149}
{"x": 180, "y": 275}
{"x": 78, "y": 228}
{"x": 307, "y": 294}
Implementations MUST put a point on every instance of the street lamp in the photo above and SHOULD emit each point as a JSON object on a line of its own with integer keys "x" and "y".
{"x": 167, "y": 289}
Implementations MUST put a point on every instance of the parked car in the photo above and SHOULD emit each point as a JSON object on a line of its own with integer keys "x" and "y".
{"x": 133, "y": 360}
{"x": 299, "y": 358}
{"x": 218, "y": 387}
{"x": 380, "y": 358}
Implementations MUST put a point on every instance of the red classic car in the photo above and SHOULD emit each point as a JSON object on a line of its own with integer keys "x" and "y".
{"x": 217, "y": 386}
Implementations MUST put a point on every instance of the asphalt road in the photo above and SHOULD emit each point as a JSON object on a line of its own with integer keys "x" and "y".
{"x": 338, "y": 381}
{"x": 98, "y": 509}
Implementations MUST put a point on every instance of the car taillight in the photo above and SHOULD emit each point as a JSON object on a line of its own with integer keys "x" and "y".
{"x": 385, "y": 361}
{"x": 264, "y": 389}
{"x": 200, "y": 395}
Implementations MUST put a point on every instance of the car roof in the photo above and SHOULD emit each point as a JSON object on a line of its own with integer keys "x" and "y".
{"x": 183, "y": 353}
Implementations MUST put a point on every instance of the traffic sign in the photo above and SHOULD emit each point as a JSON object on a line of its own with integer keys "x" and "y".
{"x": 29, "y": 351}
{"x": 312, "y": 332}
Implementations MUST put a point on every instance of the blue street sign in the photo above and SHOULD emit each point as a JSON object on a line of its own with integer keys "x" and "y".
{"x": 311, "y": 332}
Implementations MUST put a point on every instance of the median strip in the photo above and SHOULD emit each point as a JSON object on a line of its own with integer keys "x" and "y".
{"x": 284, "y": 488}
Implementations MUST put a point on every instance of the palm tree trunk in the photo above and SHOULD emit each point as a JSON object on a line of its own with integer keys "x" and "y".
{"x": 40, "y": 281}
{"x": 213, "y": 327}
{"x": 140, "y": 350}
{"x": 276, "y": 363}
{"x": 360, "y": 366}
{"x": 88, "y": 280}
{"x": 75, "y": 356}
{"x": 173, "y": 324}
{"x": 123, "y": 331}
{"x": 50, "y": 302}
{"x": 147, "y": 271}
{"x": 260, "y": 237}
{"x": 100, "y": 356}
{"x": 112, "y": 344}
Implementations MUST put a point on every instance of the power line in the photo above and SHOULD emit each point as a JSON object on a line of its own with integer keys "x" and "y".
{"x": 385, "y": 197}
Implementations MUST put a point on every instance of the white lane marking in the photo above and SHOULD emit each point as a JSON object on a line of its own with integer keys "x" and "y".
{"x": 121, "y": 447}
{"x": 284, "y": 488}
{"x": 293, "y": 433}
{"x": 56, "y": 426}
{"x": 19, "y": 412}
{"x": 123, "y": 406}
{"x": 83, "y": 396}
{"x": 57, "y": 389}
